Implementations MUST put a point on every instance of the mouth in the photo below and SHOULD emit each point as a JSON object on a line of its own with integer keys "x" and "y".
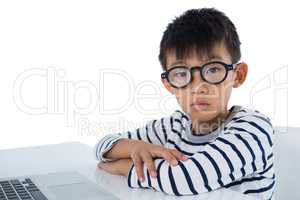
{"x": 200, "y": 105}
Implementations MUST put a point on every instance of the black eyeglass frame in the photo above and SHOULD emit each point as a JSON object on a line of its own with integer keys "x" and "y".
{"x": 228, "y": 67}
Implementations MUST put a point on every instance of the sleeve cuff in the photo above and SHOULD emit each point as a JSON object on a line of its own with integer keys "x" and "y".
{"x": 104, "y": 145}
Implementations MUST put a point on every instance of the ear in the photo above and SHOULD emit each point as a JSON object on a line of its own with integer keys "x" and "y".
{"x": 167, "y": 85}
{"x": 240, "y": 74}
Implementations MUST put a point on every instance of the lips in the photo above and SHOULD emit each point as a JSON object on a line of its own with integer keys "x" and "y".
{"x": 200, "y": 105}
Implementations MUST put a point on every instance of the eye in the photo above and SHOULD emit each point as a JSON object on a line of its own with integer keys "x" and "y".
{"x": 180, "y": 74}
{"x": 213, "y": 70}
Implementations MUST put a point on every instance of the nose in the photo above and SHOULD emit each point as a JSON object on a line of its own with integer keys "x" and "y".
{"x": 198, "y": 85}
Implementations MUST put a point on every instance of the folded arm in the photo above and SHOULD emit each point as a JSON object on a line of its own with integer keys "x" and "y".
{"x": 244, "y": 149}
{"x": 116, "y": 146}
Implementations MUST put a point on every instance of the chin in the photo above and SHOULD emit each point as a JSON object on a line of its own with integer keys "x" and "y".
{"x": 203, "y": 116}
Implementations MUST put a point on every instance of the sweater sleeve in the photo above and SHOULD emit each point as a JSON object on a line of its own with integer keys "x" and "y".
{"x": 153, "y": 132}
{"x": 243, "y": 149}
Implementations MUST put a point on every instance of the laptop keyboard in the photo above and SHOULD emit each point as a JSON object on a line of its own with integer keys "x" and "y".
{"x": 20, "y": 190}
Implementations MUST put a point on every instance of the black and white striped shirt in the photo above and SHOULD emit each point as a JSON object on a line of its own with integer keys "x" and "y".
{"x": 238, "y": 155}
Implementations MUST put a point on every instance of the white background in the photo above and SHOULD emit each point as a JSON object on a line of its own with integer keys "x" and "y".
{"x": 52, "y": 55}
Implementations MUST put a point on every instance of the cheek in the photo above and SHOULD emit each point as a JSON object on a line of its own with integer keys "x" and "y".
{"x": 219, "y": 95}
{"x": 183, "y": 97}
{"x": 224, "y": 94}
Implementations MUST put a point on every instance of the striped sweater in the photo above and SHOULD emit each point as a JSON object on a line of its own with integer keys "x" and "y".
{"x": 238, "y": 155}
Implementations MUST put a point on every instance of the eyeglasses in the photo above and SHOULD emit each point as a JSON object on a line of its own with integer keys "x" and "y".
{"x": 214, "y": 72}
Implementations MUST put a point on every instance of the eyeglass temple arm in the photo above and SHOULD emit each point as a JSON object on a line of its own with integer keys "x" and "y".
{"x": 232, "y": 66}
{"x": 164, "y": 75}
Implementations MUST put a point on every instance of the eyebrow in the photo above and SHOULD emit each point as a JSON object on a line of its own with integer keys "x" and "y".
{"x": 211, "y": 57}
{"x": 178, "y": 62}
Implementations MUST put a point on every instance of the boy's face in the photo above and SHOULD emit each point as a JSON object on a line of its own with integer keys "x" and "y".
{"x": 201, "y": 100}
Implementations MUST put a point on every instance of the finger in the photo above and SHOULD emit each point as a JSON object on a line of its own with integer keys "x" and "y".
{"x": 148, "y": 160}
{"x": 108, "y": 167}
{"x": 102, "y": 165}
{"x": 137, "y": 161}
{"x": 165, "y": 154}
{"x": 178, "y": 155}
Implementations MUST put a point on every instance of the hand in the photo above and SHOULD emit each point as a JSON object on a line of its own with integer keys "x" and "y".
{"x": 118, "y": 167}
{"x": 142, "y": 152}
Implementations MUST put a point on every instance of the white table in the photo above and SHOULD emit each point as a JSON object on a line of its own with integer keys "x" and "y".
{"x": 79, "y": 157}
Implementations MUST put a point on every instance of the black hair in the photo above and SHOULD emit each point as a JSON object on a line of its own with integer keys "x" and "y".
{"x": 199, "y": 30}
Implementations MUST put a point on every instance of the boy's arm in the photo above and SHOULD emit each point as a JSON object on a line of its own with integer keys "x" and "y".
{"x": 116, "y": 146}
{"x": 246, "y": 148}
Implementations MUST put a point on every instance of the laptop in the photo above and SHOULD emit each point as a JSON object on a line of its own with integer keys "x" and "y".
{"x": 53, "y": 186}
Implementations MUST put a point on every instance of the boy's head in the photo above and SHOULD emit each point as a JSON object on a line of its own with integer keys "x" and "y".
{"x": 199, "y": 52}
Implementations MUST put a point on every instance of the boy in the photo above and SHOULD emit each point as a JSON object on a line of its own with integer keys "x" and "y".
{"x": 205, "y": 145}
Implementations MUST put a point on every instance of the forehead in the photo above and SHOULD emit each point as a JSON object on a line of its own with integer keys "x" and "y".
{"x": 194, "y": 58}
